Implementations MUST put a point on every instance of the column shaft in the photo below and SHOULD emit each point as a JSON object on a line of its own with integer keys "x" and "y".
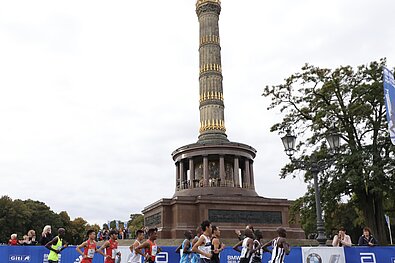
{"x": 236, "y": 172}
{"x": 222, "y": 170}
{"x": 252, "y": 182}
{"x": 182, "y": 175}
{"x": 177, "y": 177}
{"x": 192, "y": 173}
{"x": 205, "y": 171}
{"x": 247, "y": 173}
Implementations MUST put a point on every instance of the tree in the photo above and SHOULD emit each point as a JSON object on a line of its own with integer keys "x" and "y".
{"x": 315, "y": 100}
{"x": 339, "y": 214}
{"x": 78, "y": 229}
{"x": 17, "y": 216}
{"x": 135, "y": 223}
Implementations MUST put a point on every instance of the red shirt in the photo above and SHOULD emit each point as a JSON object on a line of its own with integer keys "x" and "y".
{"x": 152, "y": 250}
{"x": 13, "y": 242}
{"x": 111, "y": 251}
{"x": 89, "y": 251}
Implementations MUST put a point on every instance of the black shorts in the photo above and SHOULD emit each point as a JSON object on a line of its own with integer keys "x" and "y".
{"x": 256, "y": 260}
{"x": 51, "y": 261}
{"x": 245, "y": 260}
{"x": 204, "y": 260}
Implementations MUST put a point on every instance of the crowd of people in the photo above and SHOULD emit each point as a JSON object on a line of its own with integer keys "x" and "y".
{"x": 123, "y": 233}
{"x": 30, "y": 238}
{"x": 203, "y": 247}
{"x": 206, "y": 246}
{"x": 344, "y": 240}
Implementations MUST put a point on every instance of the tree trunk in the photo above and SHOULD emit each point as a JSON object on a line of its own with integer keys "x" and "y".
{"x": 373, "y": 211}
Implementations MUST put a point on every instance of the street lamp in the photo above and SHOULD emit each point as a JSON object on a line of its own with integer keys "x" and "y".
{"x": 315, "y": 167}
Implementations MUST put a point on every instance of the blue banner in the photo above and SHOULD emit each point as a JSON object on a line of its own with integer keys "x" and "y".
{"x": 38, "y": 254}
{"x": 389, "y": 98}
{"x": 370, "y": 254}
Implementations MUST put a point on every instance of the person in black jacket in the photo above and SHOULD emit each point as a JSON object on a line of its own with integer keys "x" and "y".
{"x": 367, "y": 239}
{"x": 46, "y": 236}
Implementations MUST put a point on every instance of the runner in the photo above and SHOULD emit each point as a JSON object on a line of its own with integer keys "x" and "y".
{"x": 111, "y": 247}
{"x": 258, "y": 250}
{"x": 56, "y": 246}
{"x": 89, "y": 247}
{"x": 203, "y": 245}
{"x": 239, "y": 234}
{"x": 280, "y": 246}
{"x": 216, "y": 245}
{"x": 195, "y": 256}
{"x": 149, "y": 246}
{"x": 186, "y": 248}
{"x": 134, "y": 256}
{"x": 247, "y": 246}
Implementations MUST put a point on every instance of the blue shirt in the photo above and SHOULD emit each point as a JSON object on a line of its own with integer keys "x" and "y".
{"x": 186, "y": 257}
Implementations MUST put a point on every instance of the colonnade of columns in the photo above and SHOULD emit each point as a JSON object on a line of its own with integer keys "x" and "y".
{"x": 243, "y": 173}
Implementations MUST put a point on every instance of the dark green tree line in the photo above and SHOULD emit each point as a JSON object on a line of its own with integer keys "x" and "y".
{"x": 316, "y": 99}
{"x": 18, "y": 216}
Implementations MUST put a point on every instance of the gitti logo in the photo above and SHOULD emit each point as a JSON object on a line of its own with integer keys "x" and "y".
{"x": 20, "y": 258}
{"x": 367, "y": 257}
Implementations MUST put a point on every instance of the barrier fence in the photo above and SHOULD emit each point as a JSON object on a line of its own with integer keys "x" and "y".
{"x": 21, "y": 254}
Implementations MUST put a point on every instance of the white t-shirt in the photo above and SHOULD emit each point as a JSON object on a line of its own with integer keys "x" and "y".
{"x": 206, "y": 247}
{"x": 134, "y": 257}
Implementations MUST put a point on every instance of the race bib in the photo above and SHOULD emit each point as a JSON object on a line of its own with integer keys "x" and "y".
{"x": 91, "y": 253}
{"x": 154, "y": 250}
{"x": 114, "y": 253}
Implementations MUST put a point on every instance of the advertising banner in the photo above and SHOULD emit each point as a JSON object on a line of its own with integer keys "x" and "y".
{"x": 39, "y": 254}
{"x": 323, "y": 255}
{"x": 370, "y": 254}
{"x": 389, "y": 98}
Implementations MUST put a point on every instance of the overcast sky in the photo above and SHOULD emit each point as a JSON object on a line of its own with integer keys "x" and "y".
{"x": 95, "y": 95}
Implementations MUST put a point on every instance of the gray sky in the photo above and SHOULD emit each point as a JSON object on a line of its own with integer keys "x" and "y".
{"x": 95, "y": 95}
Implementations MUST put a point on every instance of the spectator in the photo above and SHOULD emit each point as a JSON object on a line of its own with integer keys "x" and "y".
{"x": 46, "y": 236}
{"x": 342, "y": 239}
{"x": 31, "y": 240}
{"x": 99, "y": 236}
{"x": 367, "y": 239}
{"x": 105, "y": 235}
{"x": 14, "y": 240}
{"x": 24, "y": 241}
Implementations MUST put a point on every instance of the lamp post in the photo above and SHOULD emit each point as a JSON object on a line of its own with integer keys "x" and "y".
{"x": 314, "y": 167}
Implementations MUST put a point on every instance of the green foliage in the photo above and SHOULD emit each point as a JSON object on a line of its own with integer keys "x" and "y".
{"x": 315, "y": 100}
{"x": 339, "y": 215}
{"x": 21, "y": 216}
{"x": 135, "y": 223}
{"x": 17, "y": 216}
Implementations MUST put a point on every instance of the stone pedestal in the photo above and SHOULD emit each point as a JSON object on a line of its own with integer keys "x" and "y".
{"x": 174, "y": 216}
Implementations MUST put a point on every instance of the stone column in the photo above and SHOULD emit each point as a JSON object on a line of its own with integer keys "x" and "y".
{"x": 247, "y": 173}
{"x": 211, "y": 106}
{"x": 182, "y": 175}
{"x": 252, "y": 182}
{"x": 236, "y": 173}
{"x": 222, "y": 170}
{"x": 191, "y": 173}
{"x": 177, "y": 177}
{"x": 205, "y": 172}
